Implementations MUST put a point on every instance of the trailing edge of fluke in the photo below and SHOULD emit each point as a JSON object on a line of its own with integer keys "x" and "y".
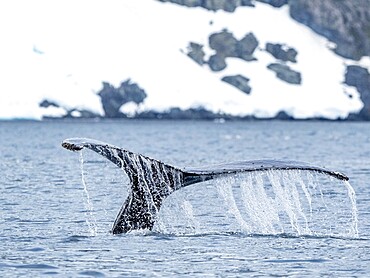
{"x": 152, "y": 180}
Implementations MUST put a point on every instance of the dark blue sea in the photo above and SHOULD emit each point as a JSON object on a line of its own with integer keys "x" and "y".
{"x": 57, "y": 207}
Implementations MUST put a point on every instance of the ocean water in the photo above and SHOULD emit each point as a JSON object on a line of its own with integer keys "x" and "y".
{"x": 57, "y": 207}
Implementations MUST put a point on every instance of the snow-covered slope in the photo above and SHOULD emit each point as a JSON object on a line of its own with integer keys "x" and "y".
{"x": 62, "y": 51}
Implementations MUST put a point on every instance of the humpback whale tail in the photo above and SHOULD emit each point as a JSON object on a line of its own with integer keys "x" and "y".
{"x": 152, "y": 180}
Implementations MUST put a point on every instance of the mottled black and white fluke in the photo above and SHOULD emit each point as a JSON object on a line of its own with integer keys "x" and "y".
{"x": 152, "y": 180}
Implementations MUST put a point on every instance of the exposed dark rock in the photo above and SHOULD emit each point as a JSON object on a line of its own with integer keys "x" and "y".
{"x": 217, "y": 62}
{"x": 213, "y": 5}
{"x": 346, "y": 23}
{"x": 187, "y": 3}
{"x": 72, "y": 113}
{"x": 226, "y": 5}
{"x": 285, "y": 73}
{"x": 113, "y": 98}
{"x": 238, "y": 81}
{"x": 226, "y": 45}
{"x": 199, "y": 113}
{"x": 46, "y": 103}
{"x": 246, "y": 3}
{"x": 246, "y": 46}
{"x": 359, "y": 78}
{"x": 282, "y": 115}
{"x": 195, "y": 52}
{"x": 275, "y": 3}
{"x": 179, "y": 114}
{"x": 282, "y": 52}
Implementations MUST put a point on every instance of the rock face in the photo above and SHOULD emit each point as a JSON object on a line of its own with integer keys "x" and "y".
{"x": 213, "y": 5}
{"x": 179, "y": 114}
{"x": 246, "y": 46}
{"x": 226, "y": 45}
{"x": 285, "y": 73}
{"x": 359, "y": 78}
{"x": 226, "y": 5}
{"x": 46, "y": 103}
{"x": 282, "y": 52}
{"x": 70, "y": 113}
{"x": 217, "y": 62}
{"x": 238, "y": 81}
{"x": 346, "y": 23}
{"x": 113, "y": 98}
{"x": 275, "y": 3}
{"x": 195, "y": 52}
{"x": 78, "y": 113}
{"x": 282, "y": 115}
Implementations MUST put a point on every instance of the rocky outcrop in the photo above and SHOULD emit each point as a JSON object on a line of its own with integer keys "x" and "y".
{"x": 47, "y": 103}
{"x": 113, "y": 98}
{"x": 217, "y": 63}
{"x": 226, "y": 5}
{"x": 69, "y": 113}
{"x": 275, "y": 3}
{"x": 224, "y": 43}
{"x": 81, "y": 113}
{"x": 282, "y": 52}
{"x": 213, "y": 5}
{"x": 201, "y": 113}
{"x": 227, "y": 46}
{"x": 346, "y": 23}
{"x": 285, "y": 73}
{"x": 359, "y": 78}
{"x": 238, "y": 81}
{"x": 246, "y": 47}
{"x": 282, "y": 115}
{"x": 179, "y": 114}
{"x": 195, "y": 52}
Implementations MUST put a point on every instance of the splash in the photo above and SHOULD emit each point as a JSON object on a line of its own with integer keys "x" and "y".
{"x": 89, "y": 214}
{"x": 290, "y": 202}
{"x": 352, "y": 197}
{"x": 177, "y": 216}
{"x": 279, "y": 198}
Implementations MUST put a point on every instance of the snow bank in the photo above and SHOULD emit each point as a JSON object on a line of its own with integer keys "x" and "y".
{"x": 63, "y": 50}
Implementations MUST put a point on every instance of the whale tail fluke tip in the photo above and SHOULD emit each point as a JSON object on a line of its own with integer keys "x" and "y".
{"x": 72, "y": 147}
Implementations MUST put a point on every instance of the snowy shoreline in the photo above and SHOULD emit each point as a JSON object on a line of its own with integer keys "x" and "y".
{"x": 146, "y": 41}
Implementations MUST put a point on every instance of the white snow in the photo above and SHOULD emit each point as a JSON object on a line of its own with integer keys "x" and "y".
{"x": 56, "y": 112}
{"x": 63, "y": 50}
{"x": 129, "y": 108}
{"x": 76, "y": 114}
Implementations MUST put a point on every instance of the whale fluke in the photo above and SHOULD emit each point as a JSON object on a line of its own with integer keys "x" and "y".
{"x": 152, "y": 180}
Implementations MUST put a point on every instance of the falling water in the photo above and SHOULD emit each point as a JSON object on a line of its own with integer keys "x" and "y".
{"x": 177, "y": 215}
{"x": 291, "y": 202}
{"x": 90, "y": 218}
{"x": 352, "y": 196}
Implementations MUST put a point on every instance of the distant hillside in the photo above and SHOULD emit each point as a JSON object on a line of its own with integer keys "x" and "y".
{"x": 187, "y": 59}
{"x": 345, "y": 23}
